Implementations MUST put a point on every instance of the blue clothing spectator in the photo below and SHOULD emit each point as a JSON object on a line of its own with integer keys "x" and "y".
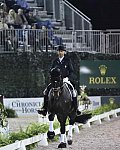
{"x": 22, "y": 3}
{"x": 46, "y": 23}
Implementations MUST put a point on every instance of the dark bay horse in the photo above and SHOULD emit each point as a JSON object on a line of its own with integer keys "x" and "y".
{"x": 60, "y": 104}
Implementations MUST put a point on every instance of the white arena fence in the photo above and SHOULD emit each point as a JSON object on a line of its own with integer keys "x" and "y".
{"x": 37, "y": 40}
{"x": 42, "y": 138}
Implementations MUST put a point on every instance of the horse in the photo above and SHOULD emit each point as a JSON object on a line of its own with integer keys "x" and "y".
{"x": 60, "y": 104}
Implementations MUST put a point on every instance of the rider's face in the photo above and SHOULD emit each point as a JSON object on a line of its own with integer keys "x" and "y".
{"x": 61, "y": 53}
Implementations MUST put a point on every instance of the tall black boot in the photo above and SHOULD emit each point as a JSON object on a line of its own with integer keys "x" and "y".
{"x": 75, "y": 105}
{"x": 43, "y": 111}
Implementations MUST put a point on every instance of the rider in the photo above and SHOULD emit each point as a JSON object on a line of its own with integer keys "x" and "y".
{"x": 65, "y": 66}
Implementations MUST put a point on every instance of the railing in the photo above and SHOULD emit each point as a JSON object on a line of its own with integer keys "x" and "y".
{"x": 38, "y": 40}
{"x": 71, "y": 17}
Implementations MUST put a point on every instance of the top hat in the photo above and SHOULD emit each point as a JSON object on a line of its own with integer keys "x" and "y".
{"x": 61, "y": 48}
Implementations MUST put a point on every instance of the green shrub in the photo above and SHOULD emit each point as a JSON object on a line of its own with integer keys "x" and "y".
{"x": 21, "y": 135}
{"x": 36, "y": 128}
{"x": 4, "y": 140}
{"x": 11, "y": 113}
{"x": 105, "y": 108}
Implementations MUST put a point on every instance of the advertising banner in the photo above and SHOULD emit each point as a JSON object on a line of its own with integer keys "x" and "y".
{"x": 24, "y": 106}
{"x": 100, "y": 73}
{"x": 110, "y": 99}
{"x": 95, "y": 101}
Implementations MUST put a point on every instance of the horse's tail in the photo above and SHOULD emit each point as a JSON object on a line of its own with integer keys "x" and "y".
{"x": 83, "y": 118}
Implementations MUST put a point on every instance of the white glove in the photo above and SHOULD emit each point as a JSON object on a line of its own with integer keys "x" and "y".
{"x": 65, "y": 79}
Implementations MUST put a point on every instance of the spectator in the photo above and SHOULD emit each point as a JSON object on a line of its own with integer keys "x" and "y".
{"x": 31, "y": 18}
{"x": 33, "y": 37}
{"x": 3, "y": 12}
{"x": 3, "y": 32}
{"x": 46, "y": 23}
{"x": 4, "y": 7}
{"x": 11, "y": 18}
{"x": 3, "y": 24}
{"x": 21, "y": 20}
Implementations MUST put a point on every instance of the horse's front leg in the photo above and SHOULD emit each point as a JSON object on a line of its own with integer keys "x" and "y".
{"x": 51, "y": 132}
{"x": 69, "y": 137}
{"x": 63, "y": 139}
{"x": 72, "y": 117}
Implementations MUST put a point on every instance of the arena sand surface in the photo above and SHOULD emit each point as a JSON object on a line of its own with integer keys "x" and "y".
{"x": 98, "y": 137}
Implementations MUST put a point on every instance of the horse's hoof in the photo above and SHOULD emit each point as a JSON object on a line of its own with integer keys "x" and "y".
{"x": 69, "y": 142}
{"x": 62, "y": 145}
{"x": 50, "y": 135}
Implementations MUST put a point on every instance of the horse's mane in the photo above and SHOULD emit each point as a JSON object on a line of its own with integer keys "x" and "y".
{"x": 66, "y": 92}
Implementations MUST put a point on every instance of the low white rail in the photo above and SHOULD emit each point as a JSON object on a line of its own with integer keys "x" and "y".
{"x": 105, "y": 115}
{"x": 42, "y": 138}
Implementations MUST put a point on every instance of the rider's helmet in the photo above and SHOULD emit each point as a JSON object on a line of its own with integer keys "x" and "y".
{"x": 61, "y": 48}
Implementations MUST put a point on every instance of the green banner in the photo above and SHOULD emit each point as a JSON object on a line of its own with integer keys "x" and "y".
{"x": 100, "y": 73}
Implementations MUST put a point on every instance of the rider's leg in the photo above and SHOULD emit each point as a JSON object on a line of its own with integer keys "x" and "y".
{"x": 75, "y": 104}
{"x": 44, "y": 109}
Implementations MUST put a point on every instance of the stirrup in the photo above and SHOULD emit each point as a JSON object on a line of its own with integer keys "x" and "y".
{"x": 42, "y": 112}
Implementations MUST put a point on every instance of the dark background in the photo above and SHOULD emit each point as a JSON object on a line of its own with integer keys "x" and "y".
{"x": 104, "y": 14}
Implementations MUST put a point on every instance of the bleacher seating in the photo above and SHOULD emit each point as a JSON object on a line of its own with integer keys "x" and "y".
{"x": 43, "y": 17}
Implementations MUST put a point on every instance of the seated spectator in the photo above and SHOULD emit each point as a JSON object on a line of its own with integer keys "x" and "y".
{"x": 21, "y": 20}
{"x": 4, "y": 7}
{"x": 3, "y": 24}
{"x": 3, "y": 11}
{"x": 46, "y": 23}
{"x": 11, "y": 18}
{"x": 31, "y": 18}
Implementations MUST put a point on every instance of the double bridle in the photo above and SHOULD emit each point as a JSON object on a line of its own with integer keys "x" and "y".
{"x": 56, "y": 90}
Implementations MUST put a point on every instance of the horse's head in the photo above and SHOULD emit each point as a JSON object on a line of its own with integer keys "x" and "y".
{"x": 56, "y": 80}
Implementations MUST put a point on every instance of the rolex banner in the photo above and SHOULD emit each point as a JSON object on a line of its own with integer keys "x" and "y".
{"x": 100, "y": 73}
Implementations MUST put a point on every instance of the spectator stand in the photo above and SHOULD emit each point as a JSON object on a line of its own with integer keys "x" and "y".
{"x": 18, "y": 36}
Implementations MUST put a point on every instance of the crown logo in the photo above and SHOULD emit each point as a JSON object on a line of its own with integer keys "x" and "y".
{"x": 102, "y": 69}
{"x": 111, "y": 100}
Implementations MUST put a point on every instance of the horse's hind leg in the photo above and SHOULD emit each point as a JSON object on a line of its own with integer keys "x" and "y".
{"x": 51, "y": 132}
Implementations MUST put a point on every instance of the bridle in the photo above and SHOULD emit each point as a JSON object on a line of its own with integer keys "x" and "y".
{"x": 56, "y": 90}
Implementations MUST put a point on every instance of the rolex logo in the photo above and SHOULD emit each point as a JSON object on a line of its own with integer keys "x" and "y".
{"x": 102, "y": 69}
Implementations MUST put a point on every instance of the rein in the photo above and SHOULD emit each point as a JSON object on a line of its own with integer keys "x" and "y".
{"x": 57, "y": 91}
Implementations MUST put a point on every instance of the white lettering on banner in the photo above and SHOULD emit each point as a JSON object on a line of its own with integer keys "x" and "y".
{"x": 24, "y": 106}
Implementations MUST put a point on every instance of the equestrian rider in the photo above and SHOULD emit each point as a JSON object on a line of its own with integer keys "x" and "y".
{"x": 65, "y": 66}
